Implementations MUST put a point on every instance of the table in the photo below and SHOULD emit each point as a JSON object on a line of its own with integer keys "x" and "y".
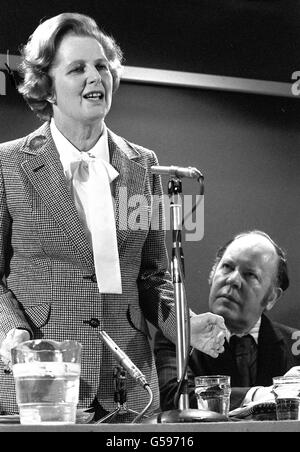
{"x": 173, "y": 429}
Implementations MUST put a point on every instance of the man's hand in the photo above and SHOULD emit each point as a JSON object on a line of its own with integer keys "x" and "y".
{"x": 208, "y": 333}
{"x": 13, "y": 338}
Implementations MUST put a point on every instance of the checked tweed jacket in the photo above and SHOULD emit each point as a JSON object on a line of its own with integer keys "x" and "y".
{"x": 46, "y": 264}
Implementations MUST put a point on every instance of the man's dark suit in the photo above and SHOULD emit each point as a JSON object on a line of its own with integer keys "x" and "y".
{"x": 275, "y": 358}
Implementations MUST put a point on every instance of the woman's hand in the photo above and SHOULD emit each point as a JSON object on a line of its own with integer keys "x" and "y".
{"x": 13, "y": 338}
{"x": 208, "y": 333}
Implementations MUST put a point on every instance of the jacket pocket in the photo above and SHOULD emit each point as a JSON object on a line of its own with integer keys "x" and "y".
{"x": 38, "y": 314}
{"x": 137, "y": 320}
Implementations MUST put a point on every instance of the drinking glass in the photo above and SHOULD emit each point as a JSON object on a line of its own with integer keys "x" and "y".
{"x": 287, "y": 396}
{"x": 46, "y": 375}
{"x": 213, "y": 393}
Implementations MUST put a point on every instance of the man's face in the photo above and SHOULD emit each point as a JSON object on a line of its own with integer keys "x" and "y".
{"x": 242, "y": 285}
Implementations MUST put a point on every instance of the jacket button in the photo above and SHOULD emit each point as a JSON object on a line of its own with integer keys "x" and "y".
{"x": 94, "y": 278}
{"x": 94, "y": 323}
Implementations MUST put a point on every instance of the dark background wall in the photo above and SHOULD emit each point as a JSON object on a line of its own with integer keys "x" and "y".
{"x": 243, "y": 38}
{"x": 246, "y": 145}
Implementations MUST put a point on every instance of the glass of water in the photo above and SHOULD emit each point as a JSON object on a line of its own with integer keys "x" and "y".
{"x": 213, "y": 393}
{"x": 287, "y": 396}
{"x": 46, "y": 375}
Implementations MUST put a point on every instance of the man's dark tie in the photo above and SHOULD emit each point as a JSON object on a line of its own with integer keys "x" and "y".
{"x": 245, "y": 351}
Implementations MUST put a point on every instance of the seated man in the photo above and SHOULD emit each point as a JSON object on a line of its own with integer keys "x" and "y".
{"x": 248, "y": 278}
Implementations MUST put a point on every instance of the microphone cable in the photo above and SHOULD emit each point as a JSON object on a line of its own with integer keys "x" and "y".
{"x": 142, "y": 413}
{"x": 201, "y": 193}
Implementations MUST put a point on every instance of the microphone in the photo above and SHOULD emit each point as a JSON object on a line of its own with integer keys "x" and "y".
{"x": 123, "y": 359}
{"x": 177, "y": 171}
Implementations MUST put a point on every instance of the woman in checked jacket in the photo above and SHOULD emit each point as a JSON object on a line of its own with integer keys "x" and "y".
{"x": 49, "y": 289}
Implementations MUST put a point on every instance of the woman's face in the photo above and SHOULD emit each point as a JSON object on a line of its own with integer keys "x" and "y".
{"x": 82, "y": 81}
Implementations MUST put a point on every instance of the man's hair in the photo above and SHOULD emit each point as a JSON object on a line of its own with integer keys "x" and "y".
{"x": 40, "y": 51}
{"x": 282, "y": 279}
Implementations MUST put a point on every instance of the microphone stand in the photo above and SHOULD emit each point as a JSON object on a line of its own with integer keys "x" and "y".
{"x": 177, "y": 272}
{"x": 120, "y": 395}
{"x": 184, "y": 413}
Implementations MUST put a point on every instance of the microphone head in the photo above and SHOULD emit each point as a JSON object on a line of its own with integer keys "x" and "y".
{"x": 177, "y": 171}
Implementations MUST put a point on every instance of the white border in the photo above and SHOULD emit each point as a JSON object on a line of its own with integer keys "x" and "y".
{"x": 189, "y": 79}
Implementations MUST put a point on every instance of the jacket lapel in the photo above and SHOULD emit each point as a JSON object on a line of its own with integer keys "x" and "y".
{"x": 271, "y": 354}
{"x": 45, "y": 172}
{"x": 129, "y": 183}
{"x": 224, "y": 365}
